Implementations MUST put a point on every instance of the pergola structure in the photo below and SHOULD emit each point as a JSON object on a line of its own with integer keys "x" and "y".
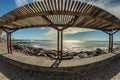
{"x": 59, "y": 14}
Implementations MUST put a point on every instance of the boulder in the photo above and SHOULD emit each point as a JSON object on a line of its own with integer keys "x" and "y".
{"x": 99, "y": 51}
{"x": 83, "y": 55}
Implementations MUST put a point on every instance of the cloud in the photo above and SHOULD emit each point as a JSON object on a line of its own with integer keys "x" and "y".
{"x": 76, "y": 30}
{"x": 108, "y": 5}
{"x": 41, "y": 28}
{"x": 69, "y": 31}
{"x": 22, "y": 2}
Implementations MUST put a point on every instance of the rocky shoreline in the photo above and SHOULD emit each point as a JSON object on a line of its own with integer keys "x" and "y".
{"x": 52, "y": 54}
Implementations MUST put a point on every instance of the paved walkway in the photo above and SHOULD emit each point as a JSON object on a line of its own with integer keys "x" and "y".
{"x": 41, "y": 61}
{"x": 9, "y": 72}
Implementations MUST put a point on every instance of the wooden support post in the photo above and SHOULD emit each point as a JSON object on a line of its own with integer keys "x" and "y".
{"x": 110, "y": 43}
{"x": 9, "y": 32}
{"x": 8, "y": 42}
{"x": 61, "y": 43}
{"x": 58, "y": 45}
{"x": 111, "y": 40}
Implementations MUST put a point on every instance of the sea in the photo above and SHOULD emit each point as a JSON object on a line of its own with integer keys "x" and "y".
{"x": 69, "y": 45}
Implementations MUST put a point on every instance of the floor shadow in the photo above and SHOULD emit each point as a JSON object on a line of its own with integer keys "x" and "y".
{"x": 56, "y": 63}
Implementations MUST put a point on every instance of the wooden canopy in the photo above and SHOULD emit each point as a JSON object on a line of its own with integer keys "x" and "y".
{"x": 60, "y": 13}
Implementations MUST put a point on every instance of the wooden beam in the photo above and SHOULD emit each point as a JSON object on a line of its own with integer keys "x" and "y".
{"x": 71, "y": 22}
{"x": 53, "y": 25}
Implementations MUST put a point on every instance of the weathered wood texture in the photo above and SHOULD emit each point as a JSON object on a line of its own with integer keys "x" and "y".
{"x": 59, "y": 13}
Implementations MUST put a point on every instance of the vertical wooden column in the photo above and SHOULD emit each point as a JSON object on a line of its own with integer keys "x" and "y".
{"x": 10, "y": 46}
{"x": 8, "y": 42}
{"x": 110, "y": 43}
{"x": 60, "y": 43}
{"x": 9, "y": 33}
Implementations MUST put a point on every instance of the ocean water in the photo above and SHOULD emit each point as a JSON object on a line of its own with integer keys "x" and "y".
{"x": 70, "y": 45}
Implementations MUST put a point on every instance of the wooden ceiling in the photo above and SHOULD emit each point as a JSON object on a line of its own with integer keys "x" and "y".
{"x": 60, "y": 13}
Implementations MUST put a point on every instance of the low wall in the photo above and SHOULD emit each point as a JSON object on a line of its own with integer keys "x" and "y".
{"x": 66, "y": 71}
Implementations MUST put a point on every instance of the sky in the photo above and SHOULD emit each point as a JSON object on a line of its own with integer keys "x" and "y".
{"x": 112, "y": 6}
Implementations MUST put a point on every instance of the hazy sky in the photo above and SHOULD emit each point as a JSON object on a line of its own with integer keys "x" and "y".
{"x": 112, "y": 6}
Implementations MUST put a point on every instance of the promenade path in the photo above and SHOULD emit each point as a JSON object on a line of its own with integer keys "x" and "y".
{"x": 10, "y": 72}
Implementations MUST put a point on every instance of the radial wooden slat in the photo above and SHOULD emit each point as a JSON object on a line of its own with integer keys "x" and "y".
{"x": 65, "y": 5}
{"x": 79, "y": 20}
{"x": 68, "y": 5}
{"x": 46, "y": 6}
{"x": 103, "y": 26}
{"x": 87, "y": 8}
{"x": 91, "y": 7}
{"x": 49, "y": 5}
{"x": 83, "y": 7}
{"x": 30, "y": 7}
{"x": 75, "y": 6}
{"x": 39, "y": 4}
{"x": 79, "y": 9}
{"x": 62, "y": 4}
{"x": 43, "y": 6}
{"x": 89, "y": 22}
{"x": 95, "y": 10}
{"x": 35, "y": 7}
{"x": 78, "y": 4}
{"x": 52, "y": 6}
{"x": 59, "y": 5}
{"x": 20, "y": 10}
